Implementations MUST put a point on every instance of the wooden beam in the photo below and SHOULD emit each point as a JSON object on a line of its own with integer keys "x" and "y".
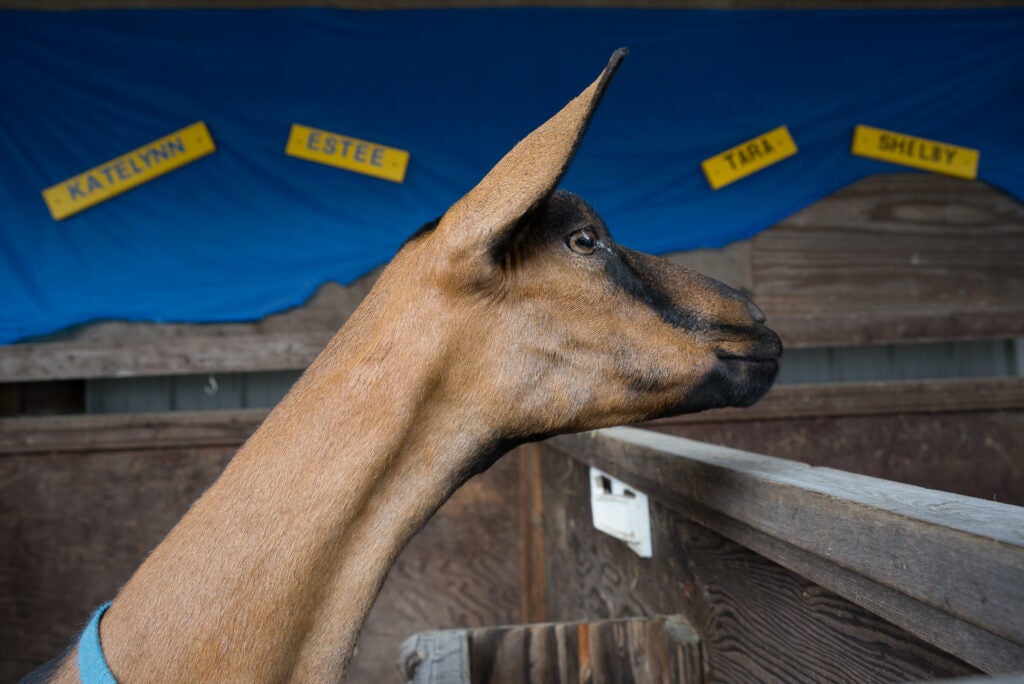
{"x": 947, "y": 568}
{"x": 161, "y": 356}
{"x": 532, "y": 599}
{"x": 825, "y": 328}
{"x": 132, "y": 431}
{"x": 438, "y": 657}
{"x": 656, "y": 650}
{"x": 881, "y": 398}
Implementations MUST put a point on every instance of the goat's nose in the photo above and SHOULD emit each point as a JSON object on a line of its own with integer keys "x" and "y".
{"x": 755, "y": 312}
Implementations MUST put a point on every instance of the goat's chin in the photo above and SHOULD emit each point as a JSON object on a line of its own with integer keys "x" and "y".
{"x": 753, "y": 380}
{"x": 736, "y": 381}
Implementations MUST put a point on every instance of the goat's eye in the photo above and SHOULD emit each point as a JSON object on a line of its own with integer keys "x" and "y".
{"x": 582, "y": 242}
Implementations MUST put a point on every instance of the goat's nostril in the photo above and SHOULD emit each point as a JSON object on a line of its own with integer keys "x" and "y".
{"x": 755, "y": 312}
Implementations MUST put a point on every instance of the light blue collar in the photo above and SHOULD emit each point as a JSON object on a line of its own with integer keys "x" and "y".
{"x": 92, "y": 666}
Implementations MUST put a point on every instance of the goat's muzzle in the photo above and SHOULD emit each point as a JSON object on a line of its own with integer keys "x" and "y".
{"x": 750, "y": 374}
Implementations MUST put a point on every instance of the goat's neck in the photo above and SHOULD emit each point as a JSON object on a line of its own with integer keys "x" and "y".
{"x": 288, "y": 549}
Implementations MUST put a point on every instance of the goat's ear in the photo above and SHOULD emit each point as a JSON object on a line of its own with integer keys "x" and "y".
{"x": 474, "y": 230}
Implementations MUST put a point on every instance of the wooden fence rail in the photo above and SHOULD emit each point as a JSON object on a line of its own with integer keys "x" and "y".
{"x": 946, "y": 568}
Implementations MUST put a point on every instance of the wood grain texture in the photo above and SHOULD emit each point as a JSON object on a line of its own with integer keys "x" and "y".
{"x": 137, "y": 431}
{"x": 531, "y": 530}
{"x": 894, "y": 258}
{"x": 889, "y": 397}
{"x": 161, "y": 356}
{"x": 437, "y": 657}
{"x": 74, "y": 529}
{"x": 78, "y": 514}
{"x": 947, "y": 568}
{"x": 685, "y": 650}
{"x": 655, "y": 650}
{"x": 758, "y": 621}
{"x": 526, "y": 653}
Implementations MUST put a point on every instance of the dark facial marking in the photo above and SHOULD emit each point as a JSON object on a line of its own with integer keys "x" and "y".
{"x": 726, "y": 384}
{"x": 629, "y": 280}
{"x": 503, "y": 247}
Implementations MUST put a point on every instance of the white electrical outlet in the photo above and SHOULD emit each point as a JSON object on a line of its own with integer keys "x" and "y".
{"x": 621, "y": 511}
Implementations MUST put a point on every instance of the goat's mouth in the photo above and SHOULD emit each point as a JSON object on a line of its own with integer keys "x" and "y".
{"x": 750, "y": 363}
{"x": 749, "y": 375}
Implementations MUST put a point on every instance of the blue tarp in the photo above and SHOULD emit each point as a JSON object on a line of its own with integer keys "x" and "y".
{"x": 248, "y": 231}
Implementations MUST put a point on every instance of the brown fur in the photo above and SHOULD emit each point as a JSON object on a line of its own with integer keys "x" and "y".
{"x": 482, "y": 333}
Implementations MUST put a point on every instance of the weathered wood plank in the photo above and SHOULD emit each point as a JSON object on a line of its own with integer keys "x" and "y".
{"x": 548, "y": 653}
{"x": 877, "y": 326}
{"x": 959, "y": 638}
{"x": 975, "y": 454}
{"x": 439, "y": 657}
{"x": 641, "y": 650}
{"x": 136, "y": 431}
{"x": 531, "y": 526}
{"x": 893, "y": 258}
{"x": 161, "y": 356}
{"x": 33, "y": 434}
{"x": 960, "y": 558}
{"x": 73, "y": 529}
{"x": 783, "y": 402}
{"x": 289, "y": 340}
{"x": 964, "y": 436}
{"x": 656, "y": 650}
{"x": 758, "y": 621}
{"x": 684, "y": 647}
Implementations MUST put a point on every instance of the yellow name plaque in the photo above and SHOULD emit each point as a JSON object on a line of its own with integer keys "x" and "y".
{"x": 128, "y": 171}
{"x": 920, "y": 153}
{"x": 748, "y": 157}
{"x": 346, "y": 152}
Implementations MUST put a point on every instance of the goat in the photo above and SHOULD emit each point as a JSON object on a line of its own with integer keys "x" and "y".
{"x": 513, "y": 317}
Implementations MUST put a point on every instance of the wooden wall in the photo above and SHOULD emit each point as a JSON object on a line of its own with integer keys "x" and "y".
{"x": 84, "y": 499}
{"x": 788, "y": 573}
{"x": 758, "y": 622}
{"x": 900, "y": 258}
{"x": 964, "y": 436}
